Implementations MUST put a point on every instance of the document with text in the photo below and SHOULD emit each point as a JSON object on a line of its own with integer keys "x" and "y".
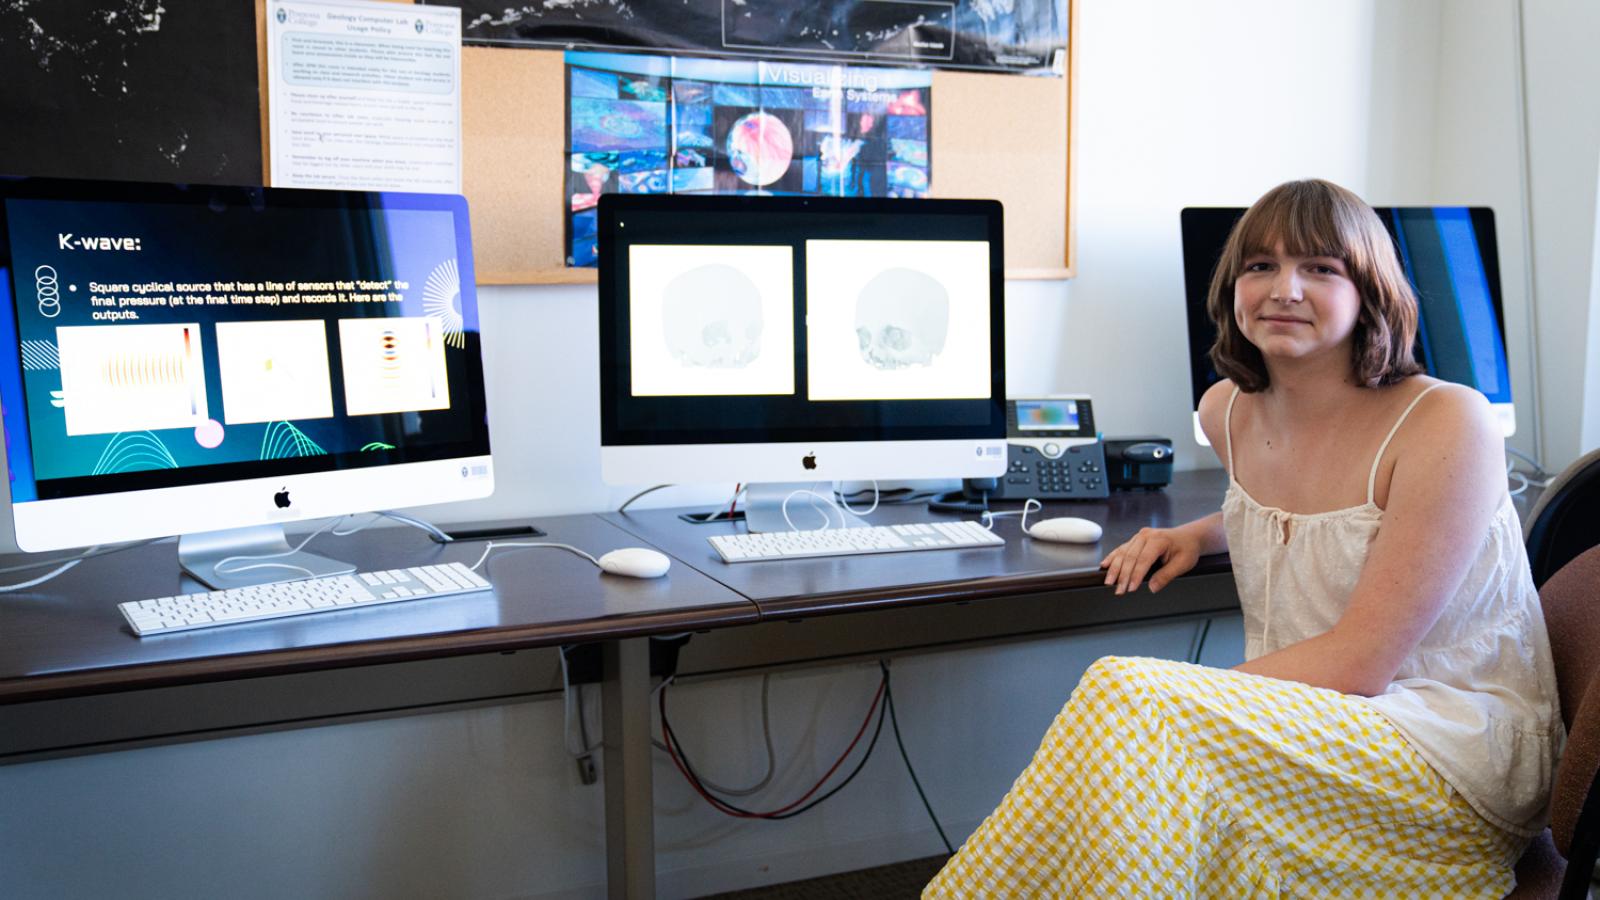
{"x": 364, "y": 95}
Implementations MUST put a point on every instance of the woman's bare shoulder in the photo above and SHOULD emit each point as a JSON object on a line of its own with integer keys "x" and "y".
{"x": 1213, "y": 416}
{"x": 1453, "y": 410}
{"x": 1452, "y": 422}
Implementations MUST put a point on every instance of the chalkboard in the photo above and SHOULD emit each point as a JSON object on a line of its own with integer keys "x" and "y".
{"x": 136, "y": 90}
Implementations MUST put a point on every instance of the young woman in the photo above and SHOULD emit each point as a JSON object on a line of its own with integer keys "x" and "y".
{"x": 1394, "y": 729}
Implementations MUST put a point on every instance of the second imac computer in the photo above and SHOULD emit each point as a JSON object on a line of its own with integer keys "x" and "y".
{"x": 217, "y": 363}
{"x": 1450, "y": 256}
{"x": 800, "y": 340}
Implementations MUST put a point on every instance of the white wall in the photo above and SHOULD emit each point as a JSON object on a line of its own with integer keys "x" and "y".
{"x": 1477, "y": 160}
{"x": 1181, "y": 103}
{"x": 1563, "y": 119}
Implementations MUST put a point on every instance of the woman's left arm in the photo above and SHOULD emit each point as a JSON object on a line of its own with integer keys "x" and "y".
{"x": 1447, "y": 482}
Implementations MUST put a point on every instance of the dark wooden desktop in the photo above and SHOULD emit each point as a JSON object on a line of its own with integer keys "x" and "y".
{"x": 67, "y": 639}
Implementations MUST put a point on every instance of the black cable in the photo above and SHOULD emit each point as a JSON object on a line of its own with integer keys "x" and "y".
{"x": 725, "y": 807}
{"x": 958, "y": 502}
{"x": 894, "y": 721}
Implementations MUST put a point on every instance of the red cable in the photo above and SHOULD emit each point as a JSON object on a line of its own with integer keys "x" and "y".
{"x": 735, "y": 502}
{"x": 671, "y": 742}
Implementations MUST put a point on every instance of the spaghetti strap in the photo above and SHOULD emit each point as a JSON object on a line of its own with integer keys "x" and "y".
{"x": 1372, "y": 477}
{"x": 1227, "y": 430}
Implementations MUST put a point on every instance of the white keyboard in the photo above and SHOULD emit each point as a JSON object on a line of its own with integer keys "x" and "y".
{"x": 296, "y": 598}
{"x": 738, "y": 548}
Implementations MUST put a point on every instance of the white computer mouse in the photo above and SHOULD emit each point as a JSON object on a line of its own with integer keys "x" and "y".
{"x": 635, "y": 562}
{"x": 1066, "y": 529}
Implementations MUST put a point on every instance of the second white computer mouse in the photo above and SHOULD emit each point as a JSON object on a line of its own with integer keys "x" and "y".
{"x": 1066, "y": 529}
{"x": 635, "y": 562}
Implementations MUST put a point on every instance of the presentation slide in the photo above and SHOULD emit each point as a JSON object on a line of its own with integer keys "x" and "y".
{"x": 199, "y": 334}
{"x": 711, "y": 320}
{"x": 897, "y": 320}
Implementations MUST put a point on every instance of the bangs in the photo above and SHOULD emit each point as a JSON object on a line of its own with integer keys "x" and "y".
{"x": 1307, "y": 224}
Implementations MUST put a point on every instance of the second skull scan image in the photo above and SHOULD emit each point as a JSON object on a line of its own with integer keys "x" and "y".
{"x": 902, "y": 318}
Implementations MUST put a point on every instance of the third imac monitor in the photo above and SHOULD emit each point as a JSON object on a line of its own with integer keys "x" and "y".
{"x": 800, "y": 339}
{"x": 1449, "y": 254}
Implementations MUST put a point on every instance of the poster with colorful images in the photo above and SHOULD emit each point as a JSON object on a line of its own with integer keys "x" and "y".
{"x": 670, "y": 125}
{"x": 1023, "y": 37}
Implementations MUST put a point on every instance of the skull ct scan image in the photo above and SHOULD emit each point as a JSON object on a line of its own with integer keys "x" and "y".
{"x": 902, "y": 319}
{"x": 896, "y": 319}
{"x": 711, "y": 318}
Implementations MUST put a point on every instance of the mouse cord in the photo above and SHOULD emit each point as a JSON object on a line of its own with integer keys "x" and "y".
{"x": 813, "y": 496}
{"x": 329, "y": 527}
{"x": 629, "y": 502}
{"x": 493, "y": 544}
{"x": 844, "y": 502}
{"x": 50, "y": 574}
{"x": 64, "y": 563}
{"x": 1029, "y": 506}
{"x": 234, "y": 570}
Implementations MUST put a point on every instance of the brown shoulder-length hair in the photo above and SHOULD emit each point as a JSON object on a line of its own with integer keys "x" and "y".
{"x": 1319, "y": 218}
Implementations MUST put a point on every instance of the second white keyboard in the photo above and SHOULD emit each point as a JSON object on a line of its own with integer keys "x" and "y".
{"x": 205, "y": 609}
{"x": 738, "y": 548}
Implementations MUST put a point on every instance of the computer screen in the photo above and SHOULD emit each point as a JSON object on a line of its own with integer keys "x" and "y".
{"x": 751, "y": 338}
{"x": 1449, "y": 254}
{"x": 182, "y": 359}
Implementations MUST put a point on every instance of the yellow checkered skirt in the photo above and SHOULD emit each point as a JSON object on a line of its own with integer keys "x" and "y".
{"x": 1165, "y": 779}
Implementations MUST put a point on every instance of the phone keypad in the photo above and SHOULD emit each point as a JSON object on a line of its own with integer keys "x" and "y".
{"x": 1078, "y": 473}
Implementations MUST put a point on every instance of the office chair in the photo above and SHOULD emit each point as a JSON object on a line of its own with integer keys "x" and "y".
{"x": 1560, "y": 861}
{"x": 1565, "y": 521}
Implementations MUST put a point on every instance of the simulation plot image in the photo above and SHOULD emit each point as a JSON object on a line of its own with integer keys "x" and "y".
{"x": 711, "y": 320}
{"x": 131, "y": 377}
{"x": 393, "y": 364}
{"x": 274, "y": 370}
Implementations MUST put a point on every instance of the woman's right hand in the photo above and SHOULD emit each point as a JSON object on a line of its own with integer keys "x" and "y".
{"x": 1176, "y": 549}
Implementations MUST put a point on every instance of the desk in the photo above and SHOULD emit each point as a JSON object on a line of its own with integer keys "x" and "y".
{"x": 827, "y": 585}
{"x": 68, "y": 640}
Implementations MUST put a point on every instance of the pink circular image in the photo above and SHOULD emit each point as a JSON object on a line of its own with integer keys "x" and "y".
{"x": 760, "y": 148}
{"x": 208, "y": 434}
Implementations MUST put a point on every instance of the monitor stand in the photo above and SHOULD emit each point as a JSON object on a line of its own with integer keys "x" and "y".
{"x": 763, "y": 507}
{"x": 199, "y": 554}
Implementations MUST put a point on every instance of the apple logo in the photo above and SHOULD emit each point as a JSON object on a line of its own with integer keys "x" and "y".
{"x": 809, "y": 460}
{"x": 281, "y": 499}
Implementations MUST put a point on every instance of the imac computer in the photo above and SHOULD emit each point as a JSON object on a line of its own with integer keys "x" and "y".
{"x": 1450, "y": 256}
{"x": 217, "y": 363}
{"x": 799, "y": 340}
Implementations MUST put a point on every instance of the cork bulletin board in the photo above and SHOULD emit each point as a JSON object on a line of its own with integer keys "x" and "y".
{"x": 998, "y": 136}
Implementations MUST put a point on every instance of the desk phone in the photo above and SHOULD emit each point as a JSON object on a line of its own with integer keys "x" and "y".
{"x": 1052, "y": 450}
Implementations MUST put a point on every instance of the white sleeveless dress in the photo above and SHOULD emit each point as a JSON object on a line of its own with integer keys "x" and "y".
{"x": 1166, "y": 779}
{"x": 1477, "y": 697}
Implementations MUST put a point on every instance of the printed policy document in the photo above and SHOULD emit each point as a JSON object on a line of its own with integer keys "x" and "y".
{"x": 364, "y": 95}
